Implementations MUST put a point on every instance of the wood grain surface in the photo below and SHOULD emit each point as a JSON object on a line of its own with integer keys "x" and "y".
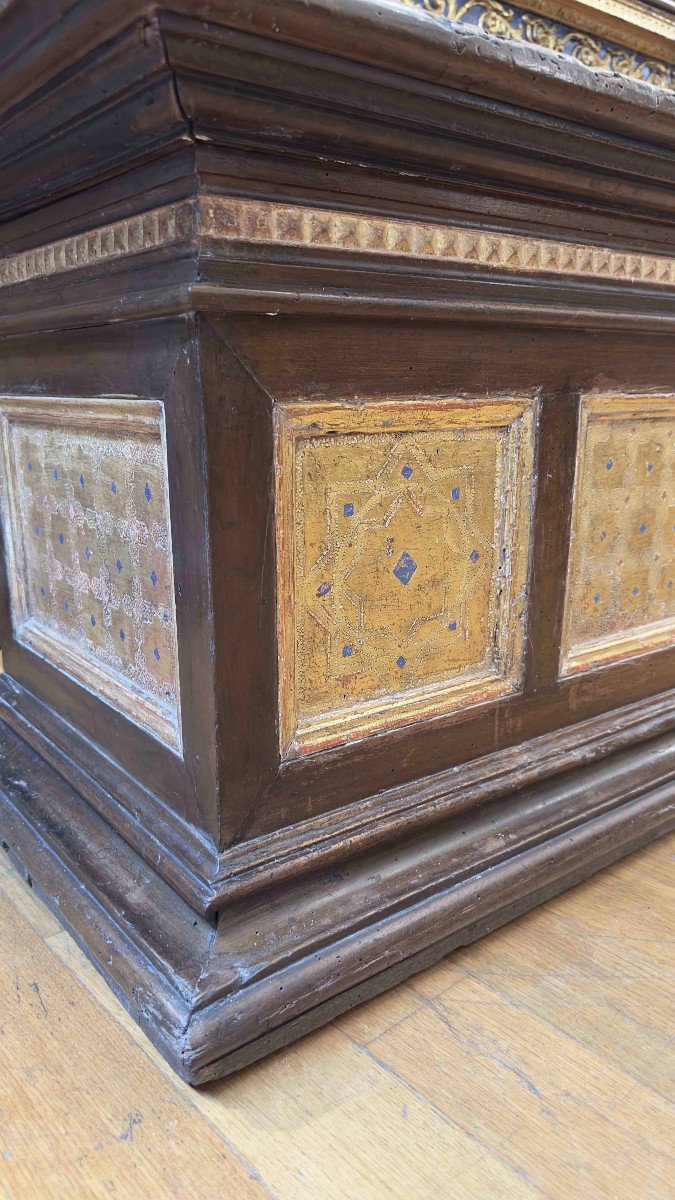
{"x": 537, "y": 1062}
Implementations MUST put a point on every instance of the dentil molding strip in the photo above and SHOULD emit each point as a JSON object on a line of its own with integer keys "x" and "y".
{"x": 266, "y": 223}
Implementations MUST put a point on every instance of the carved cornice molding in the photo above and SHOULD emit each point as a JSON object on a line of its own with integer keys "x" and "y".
{"x": 257, "y": 223}
{"x": 583, "y": 40}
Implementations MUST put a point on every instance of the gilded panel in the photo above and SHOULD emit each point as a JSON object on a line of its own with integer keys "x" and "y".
{"x": 620, "y": 597}
{"x": 403, "y": 530}
{"x": 87, "y": 533}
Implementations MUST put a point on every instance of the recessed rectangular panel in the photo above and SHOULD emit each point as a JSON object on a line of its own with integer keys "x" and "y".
{"x": 620, "y": 598}
{"x": 403, "y": 536}
{"x": 88, "y": 540}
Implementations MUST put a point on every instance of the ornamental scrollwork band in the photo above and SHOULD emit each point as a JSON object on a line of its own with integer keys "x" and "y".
{"x": 512, "y": 23}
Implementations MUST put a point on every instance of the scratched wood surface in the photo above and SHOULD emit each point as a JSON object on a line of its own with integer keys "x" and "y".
{"x": 537, "y": 1062}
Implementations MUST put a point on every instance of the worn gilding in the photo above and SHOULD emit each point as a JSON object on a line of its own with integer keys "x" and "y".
{"x": 403, "y": 533}
{"x": 86, "y": 516}
{"x": 620, "y": 598}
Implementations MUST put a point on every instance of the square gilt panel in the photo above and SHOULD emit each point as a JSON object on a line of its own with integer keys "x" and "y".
{"x": 620, "y": 598}
{"x": 87, "y": 532}
{"x": 403, "y": 537}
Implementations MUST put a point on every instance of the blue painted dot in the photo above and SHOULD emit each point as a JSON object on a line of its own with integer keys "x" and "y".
{"x": 113, "y": 488}
{"x": 157, "y": 654}
{"x": 348, "y": 510}
{"x": 455, "y": 493}
{"x": 405, "y": 568}
{"x": 30, "y": 466}
{"x": 56, "y": 474}
{"x": 66, "y": 606}
{"x": 122, "y": 635}
{"x": 670, "y": 583}
{"x": 87, "y": 553}
{"x": 61, "y": 538}
{"x": 92, "y": 619}
{"x": 118, "y": 564}
{"x": 37, "y": 529}
{"x": 603, "y": 535}
{"x": 400, "y": 661}
{"x": 407, "y": 472}
{"x": 322, "y": 590}
{"x": 148, "y": 493}
{"x": 452, "y": 626}
{"x": 635, "y": 591}
{"x": 650, "y": 466}
{"x": 474, "y": 556}
{"x": 597, "y": 597}
{"x": 153, "y": 578}
{"x": 346, "y": 651}
{"x": 609, "y": 464}
{"x": 643, "y": 528}
{"x": 81, "y": 481}
{"x": 42, "y": 591}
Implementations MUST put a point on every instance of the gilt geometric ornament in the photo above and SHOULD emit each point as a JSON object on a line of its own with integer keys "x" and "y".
{"x": 402, "y": 542}
{"x": 85, "y": 510}
{"x": 620, "y": 595}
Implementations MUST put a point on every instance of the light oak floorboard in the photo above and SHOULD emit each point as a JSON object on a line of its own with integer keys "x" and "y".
{"x": 536, "y": 1062}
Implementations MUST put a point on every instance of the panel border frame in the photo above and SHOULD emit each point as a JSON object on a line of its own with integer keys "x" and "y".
{"x": 98, "y": 414}
{"x": 633, "y": 643}
{"x": 302, "y": 419}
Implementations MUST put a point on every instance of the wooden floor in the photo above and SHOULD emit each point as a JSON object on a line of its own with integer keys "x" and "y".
{"x": 538, "y": 1062}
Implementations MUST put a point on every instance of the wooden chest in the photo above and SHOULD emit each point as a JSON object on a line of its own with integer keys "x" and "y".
{"x": 337, "y": 460}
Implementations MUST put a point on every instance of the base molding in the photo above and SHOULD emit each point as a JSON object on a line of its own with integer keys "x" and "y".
{"x": 215, "y": 994}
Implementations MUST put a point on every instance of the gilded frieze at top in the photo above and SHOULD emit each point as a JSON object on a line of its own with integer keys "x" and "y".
{"x": 591, "y": 49}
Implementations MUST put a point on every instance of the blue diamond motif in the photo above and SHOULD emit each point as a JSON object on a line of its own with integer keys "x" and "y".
{"x": 407, "y": 472}
{"x": 81, "y": 481}
{"x": 346, "y": 651}
{"x": 609, "y": 464}
{"x": 118, "y": 564}
{"x": 113, "y": 488}
{"x": 635, "y": 591}
{"x": 148, "y": 493}
{"x": 56, "y": 474}
{"x": 405, "y": 568}
{"x": 61, "y": 538}
{"x": 322, "y": 590}
{"x": 92, "y": 619}
{"x": 474, "y": 556}
{"x": 30, "y": 466}
{"x": 452, "y": 626}
{"x": 455, "y": 493}
{"x": 643, "y": 528}
{"x": 157, "y": 654}
{"x": 596, "y": 598}
{"x": 153, "y": 578}
{"x": 122, "y": 635}
{"x": 42, "y": 591}
{"x": 348, "y": 510}
{"x": 400, "y": 661}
